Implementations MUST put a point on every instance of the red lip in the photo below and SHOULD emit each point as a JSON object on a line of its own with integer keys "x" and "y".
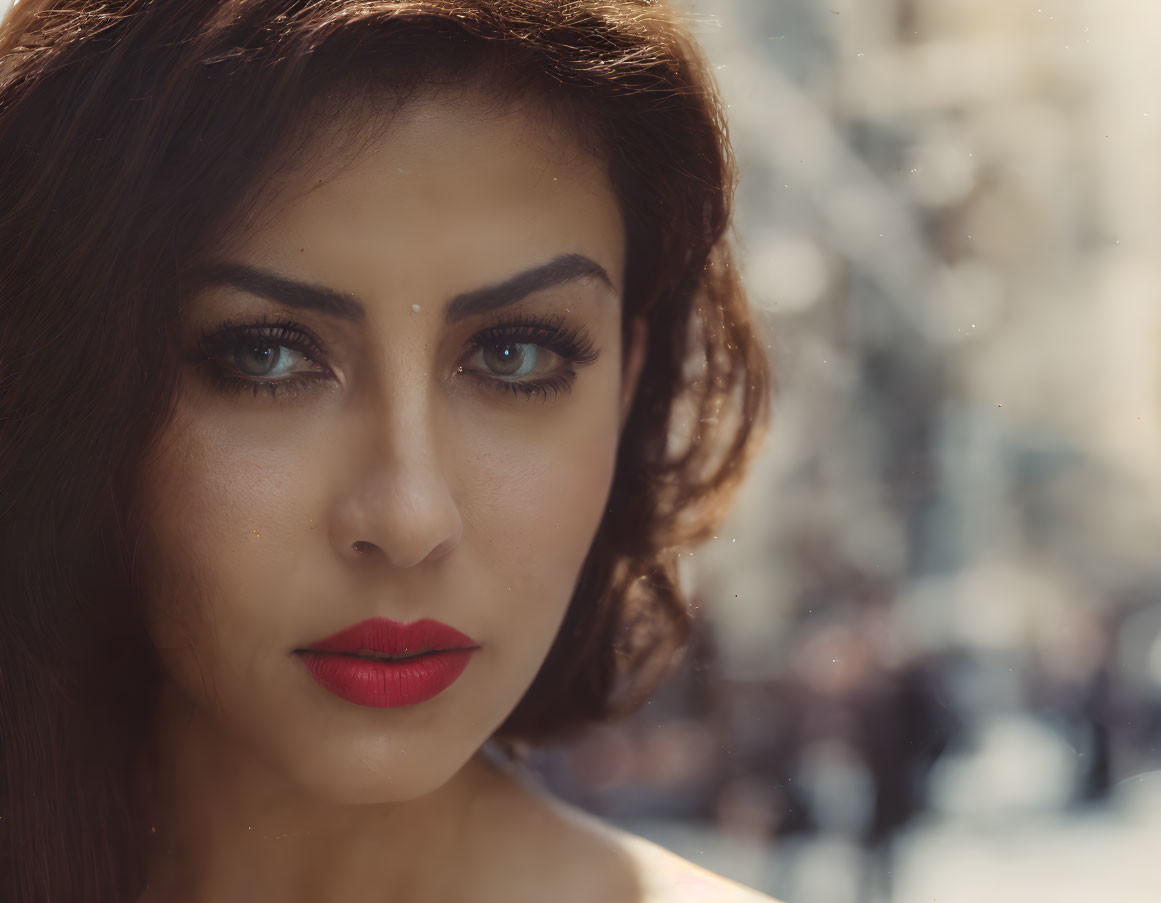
{"x": 387, "y": 637}
{"x": 443, "y": 654}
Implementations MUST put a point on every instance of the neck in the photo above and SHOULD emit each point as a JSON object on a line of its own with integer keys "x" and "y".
{"x": 226, "y": 827}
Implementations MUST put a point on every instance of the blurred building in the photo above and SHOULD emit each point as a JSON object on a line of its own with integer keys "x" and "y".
{"x": 937, "y": 608}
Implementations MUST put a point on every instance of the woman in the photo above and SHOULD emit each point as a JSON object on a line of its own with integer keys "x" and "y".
{"x": 364, "y": 368}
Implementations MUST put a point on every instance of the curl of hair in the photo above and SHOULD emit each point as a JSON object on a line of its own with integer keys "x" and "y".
{"x": 127, "y": 128}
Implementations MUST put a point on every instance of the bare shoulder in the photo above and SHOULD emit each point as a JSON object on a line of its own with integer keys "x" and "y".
{"x": 664, "y": 877}
{"x": 624, "y": 867}
{"x": 554, "y": 845}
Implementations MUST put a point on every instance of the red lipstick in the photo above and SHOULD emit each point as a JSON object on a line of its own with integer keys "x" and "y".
{"x": 385, "y": 664}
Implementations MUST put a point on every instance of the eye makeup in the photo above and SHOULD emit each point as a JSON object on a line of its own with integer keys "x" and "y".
{"x": 228, "y": 352}
{"x": 219, "y": 353}
{"x": 571, "y": 344}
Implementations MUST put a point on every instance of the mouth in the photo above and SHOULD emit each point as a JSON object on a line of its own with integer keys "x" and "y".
{"x": 383, "y": 657}
{"x": 382, "y": 663}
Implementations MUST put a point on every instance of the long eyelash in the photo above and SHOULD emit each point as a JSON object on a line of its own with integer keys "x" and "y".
{"x": 265, "y": 330}
{"x": 286, "y": 387}
{"x": 560, "y": 382}
{"x": 571, "y": 343}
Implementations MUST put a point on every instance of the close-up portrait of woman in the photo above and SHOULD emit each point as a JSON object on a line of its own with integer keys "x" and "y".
{"x": 365, "y": 368}
{"x": 580, "y": 451}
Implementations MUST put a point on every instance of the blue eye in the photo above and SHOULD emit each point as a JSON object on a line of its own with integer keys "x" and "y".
{"x": 515, "y": 348}
{"x": 513, "y": 356}
{"x": 240, "y": 356}
{"x": 510, "y": 360}
{"x": 268, "y": 357}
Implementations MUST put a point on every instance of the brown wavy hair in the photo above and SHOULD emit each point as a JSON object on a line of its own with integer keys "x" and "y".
{"x": 128, "y": 130}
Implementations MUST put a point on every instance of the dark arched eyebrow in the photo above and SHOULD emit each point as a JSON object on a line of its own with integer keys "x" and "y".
{"x": 565, "y": 268}
{"x": 292, "y": 293}
{"x": 274, "y": 287}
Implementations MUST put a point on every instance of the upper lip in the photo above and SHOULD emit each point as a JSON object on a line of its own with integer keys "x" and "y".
{"x": 386, "y": 637}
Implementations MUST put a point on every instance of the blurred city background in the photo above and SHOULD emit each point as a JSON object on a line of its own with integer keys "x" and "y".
{"x": 929, "y": 662}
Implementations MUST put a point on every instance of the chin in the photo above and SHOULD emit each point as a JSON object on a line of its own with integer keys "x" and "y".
{"x": 383, "y": 769}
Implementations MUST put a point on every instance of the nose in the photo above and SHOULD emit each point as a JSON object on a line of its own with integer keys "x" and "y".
{"x": 396, "y": 504}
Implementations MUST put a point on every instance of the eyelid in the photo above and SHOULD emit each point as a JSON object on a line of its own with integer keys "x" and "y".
{"x": 571, "y": 342}
{"x": 272, "y": 328}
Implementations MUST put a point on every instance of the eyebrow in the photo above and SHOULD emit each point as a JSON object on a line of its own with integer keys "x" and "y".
{"x": 292, "y": 293}
{"x": 281, "y": 289}
{"x": 562, "y": 269}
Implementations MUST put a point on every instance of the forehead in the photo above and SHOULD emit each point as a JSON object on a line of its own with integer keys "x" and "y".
{"x": 449, "y": 183}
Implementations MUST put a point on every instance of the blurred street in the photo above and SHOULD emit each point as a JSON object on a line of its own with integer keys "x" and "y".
{"x": 928, "y": 663}
{"x": 1103, "y": 854}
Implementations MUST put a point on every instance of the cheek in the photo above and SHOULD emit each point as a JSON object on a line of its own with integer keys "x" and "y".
{"x": 541, "y": 503}
{"x": 222, "y": 524}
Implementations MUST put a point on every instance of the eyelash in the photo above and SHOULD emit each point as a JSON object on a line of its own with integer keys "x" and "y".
{"x": 570, "y": 343}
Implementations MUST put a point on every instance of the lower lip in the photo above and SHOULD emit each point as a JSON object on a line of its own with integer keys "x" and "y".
{"x": 387, "y": 684}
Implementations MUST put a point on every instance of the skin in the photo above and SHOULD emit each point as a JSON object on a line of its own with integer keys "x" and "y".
{"x": 395, "y": 484}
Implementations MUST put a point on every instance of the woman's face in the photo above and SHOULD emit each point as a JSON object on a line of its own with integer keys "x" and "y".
{"x": 402, "y": 397}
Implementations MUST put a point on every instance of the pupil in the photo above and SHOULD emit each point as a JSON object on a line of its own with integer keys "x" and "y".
{"x": 265, "y": 355}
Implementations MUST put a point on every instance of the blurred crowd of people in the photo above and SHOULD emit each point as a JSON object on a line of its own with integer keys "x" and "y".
{"x": 938, "y": 596}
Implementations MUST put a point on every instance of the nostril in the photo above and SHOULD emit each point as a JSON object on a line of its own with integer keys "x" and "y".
{"x": 361, "y": 546}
